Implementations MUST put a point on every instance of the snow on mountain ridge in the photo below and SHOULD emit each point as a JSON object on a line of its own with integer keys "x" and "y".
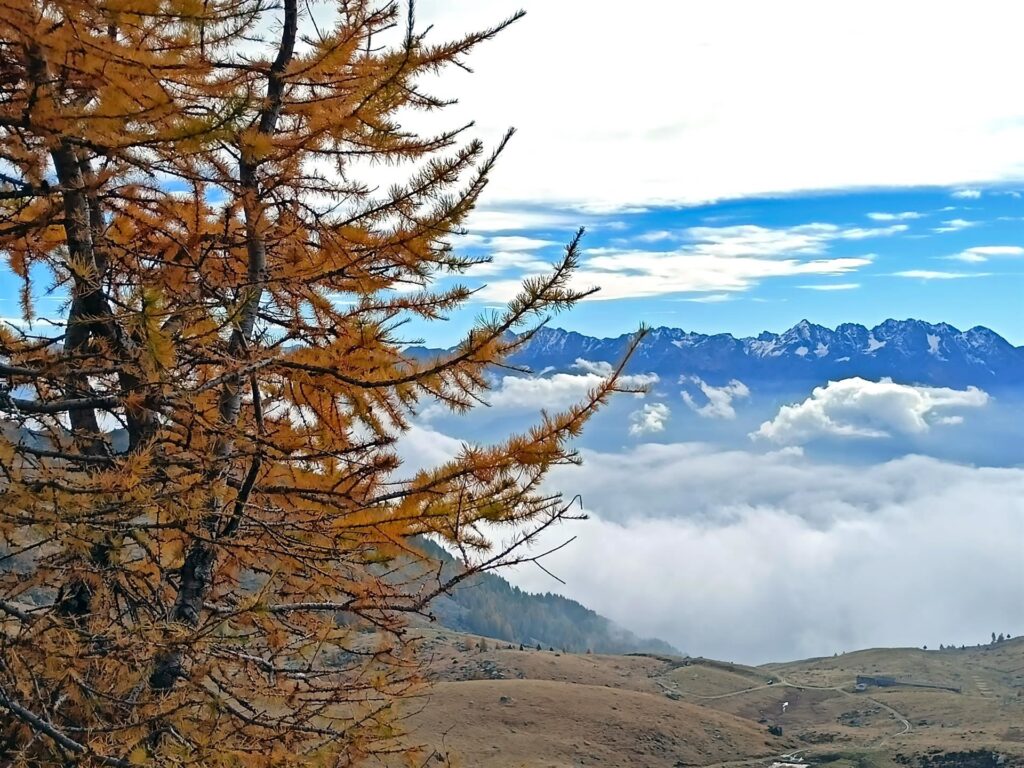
{"x": 889, "y": 330}
{"x": 913, "y": 351}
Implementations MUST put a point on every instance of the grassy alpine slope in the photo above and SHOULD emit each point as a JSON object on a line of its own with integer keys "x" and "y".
{"x": 504, "y": 707}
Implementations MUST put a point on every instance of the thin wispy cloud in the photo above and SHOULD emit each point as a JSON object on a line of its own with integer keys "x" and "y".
{"x": 982, "y": 253}
{"x": 711, "y": 298}
{"x": 655, "y": 236}
{"x": 933, "y": 274}
{"x": 901, "y": 216}
{"x": 757, "y": 240}
{"x": 638, "y": 274}
{"x": 719, "y": 261}
{"x": 519, "y": 243}
{"x": 967, "y": 194}
{"x": 17, "y": 322}
{"x": 955, "y": 225}
{"x": 831, "y": 287}
{"x": 520, "y": 262}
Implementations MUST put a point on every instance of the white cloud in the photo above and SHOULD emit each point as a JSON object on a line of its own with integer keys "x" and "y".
{"x": 506, "y": 261}
{"x": 711, "y": 298}
{"x": 856, "y": 407}
{"x": 467, "y": 239}
{"x": 17, "y": 322}
{"x": 831, "y": 287}
{"x": 598, "y": 367}
{"x": 860, "y": 233}
{"x": 651, "y": 418}
{"x": 719, "y": 399}
{"x": 518, "y": 219}
{"x": 967, "y": 194}
{"x": 635, "y": 380}
{"x": 655, "y": 236}
{"x": 983, "y": 253}
{"x": 756, "y": 240}
{"x": 933, "y": 274}
{"x": 519, "y": 243}
{"x": 708, "y": 138}
{"x": 955, "y": 225}
{"x": 511, "y": 253}
{"x": 716, "y": 260}
{"x": 756, "y": 558}
{"x": 559, "y": 390}
{"x": 421, "y": 448}
{"x": 901, "y": 216}
{"x": 639, "y": 274}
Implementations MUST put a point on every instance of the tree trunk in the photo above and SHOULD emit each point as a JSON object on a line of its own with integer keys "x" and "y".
{"x": 196, "y": 579}
{"x": 197, "y": 572}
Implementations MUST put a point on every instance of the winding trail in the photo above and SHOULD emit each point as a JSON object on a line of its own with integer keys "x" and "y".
{"x": 907, "y": 728}
{"x": 783, "y": 683}
{"x": 738, "y": 693}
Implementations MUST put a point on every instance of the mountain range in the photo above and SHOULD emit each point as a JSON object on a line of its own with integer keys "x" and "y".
{"x": 907, "y": 351}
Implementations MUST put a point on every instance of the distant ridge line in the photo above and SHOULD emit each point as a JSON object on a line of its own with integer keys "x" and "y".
{"x": 802, "y": 324}
{"x": 906, "y": 351}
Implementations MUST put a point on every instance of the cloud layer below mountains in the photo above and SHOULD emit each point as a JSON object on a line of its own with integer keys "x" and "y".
{"x": 772, "y": 549}
{"x": 849, "y": 409}
{"x": 771, "y": 556}
{"x": 759, "y": 557}
{"x": 559, "y": 390}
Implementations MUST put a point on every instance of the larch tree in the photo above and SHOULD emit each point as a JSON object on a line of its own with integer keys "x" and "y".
{"x": 204, "y": 516}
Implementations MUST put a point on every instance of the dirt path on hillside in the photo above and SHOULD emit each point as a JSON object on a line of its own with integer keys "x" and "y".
{"x": 782, "y": 682}
{"x": 907, "y": 728}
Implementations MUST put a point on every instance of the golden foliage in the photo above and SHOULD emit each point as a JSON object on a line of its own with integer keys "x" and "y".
{"x": 202, "y": 503}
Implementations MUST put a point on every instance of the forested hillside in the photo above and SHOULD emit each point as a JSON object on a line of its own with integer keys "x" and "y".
{"x": 488, "y": 605}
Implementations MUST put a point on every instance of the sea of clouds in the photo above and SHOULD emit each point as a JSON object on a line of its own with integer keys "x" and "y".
{"x": 858, "y": 514}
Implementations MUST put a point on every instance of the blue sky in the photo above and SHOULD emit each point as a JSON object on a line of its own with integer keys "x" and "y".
{"x": 742, "y": 266}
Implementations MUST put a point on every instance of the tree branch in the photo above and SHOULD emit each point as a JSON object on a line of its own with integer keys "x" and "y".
{"x": 42, "y": 726}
